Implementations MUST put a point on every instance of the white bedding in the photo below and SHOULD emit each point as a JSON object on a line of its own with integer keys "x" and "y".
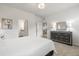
{"x": 26, "y": 46}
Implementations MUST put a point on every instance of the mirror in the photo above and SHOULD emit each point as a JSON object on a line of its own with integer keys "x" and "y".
{"x": 44, "y": 28}
{"x": 23, "y": 27}
{"x": 61, "y": 25}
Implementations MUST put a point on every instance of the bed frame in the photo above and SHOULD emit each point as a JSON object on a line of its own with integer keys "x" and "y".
{"x": 51, "y": 53}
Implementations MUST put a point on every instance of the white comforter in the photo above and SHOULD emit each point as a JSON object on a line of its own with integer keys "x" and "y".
{"x": 26, "y": 46}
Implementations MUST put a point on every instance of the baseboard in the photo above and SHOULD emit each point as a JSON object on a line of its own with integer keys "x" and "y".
{"x": 75, "y": 45}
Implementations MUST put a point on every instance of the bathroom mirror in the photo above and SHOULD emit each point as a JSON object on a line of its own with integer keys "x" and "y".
{"x": 61, "y": 25}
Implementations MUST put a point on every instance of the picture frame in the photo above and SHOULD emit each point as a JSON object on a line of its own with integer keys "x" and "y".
{"x": 6, "y": 23}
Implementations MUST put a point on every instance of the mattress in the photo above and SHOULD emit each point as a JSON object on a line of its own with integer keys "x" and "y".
{"x": 26, "y": 46}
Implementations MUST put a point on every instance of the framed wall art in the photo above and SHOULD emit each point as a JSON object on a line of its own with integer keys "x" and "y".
{"x": 6, "y": 23}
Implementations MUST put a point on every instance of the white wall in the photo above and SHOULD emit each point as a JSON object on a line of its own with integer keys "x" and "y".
{"x": 16, "y": 14}
{"x": 72, "y": 15}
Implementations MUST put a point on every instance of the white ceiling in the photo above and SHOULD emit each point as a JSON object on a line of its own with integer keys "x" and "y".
{"x": 49, "y": 9}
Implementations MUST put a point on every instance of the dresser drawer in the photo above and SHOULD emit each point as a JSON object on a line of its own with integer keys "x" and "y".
{"x": 62, "y": 37}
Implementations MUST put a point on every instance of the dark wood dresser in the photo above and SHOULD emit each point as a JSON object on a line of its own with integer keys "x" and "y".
{"x": 62, "y": 37}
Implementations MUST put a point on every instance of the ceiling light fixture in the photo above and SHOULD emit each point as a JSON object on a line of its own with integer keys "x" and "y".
{"x": 41, "y": 5}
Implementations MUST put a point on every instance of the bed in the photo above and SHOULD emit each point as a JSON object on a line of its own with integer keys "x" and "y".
{"x": 27, "y": 46}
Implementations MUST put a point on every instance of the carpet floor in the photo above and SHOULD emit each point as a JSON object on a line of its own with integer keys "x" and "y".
{"x": 66, "y": 50}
